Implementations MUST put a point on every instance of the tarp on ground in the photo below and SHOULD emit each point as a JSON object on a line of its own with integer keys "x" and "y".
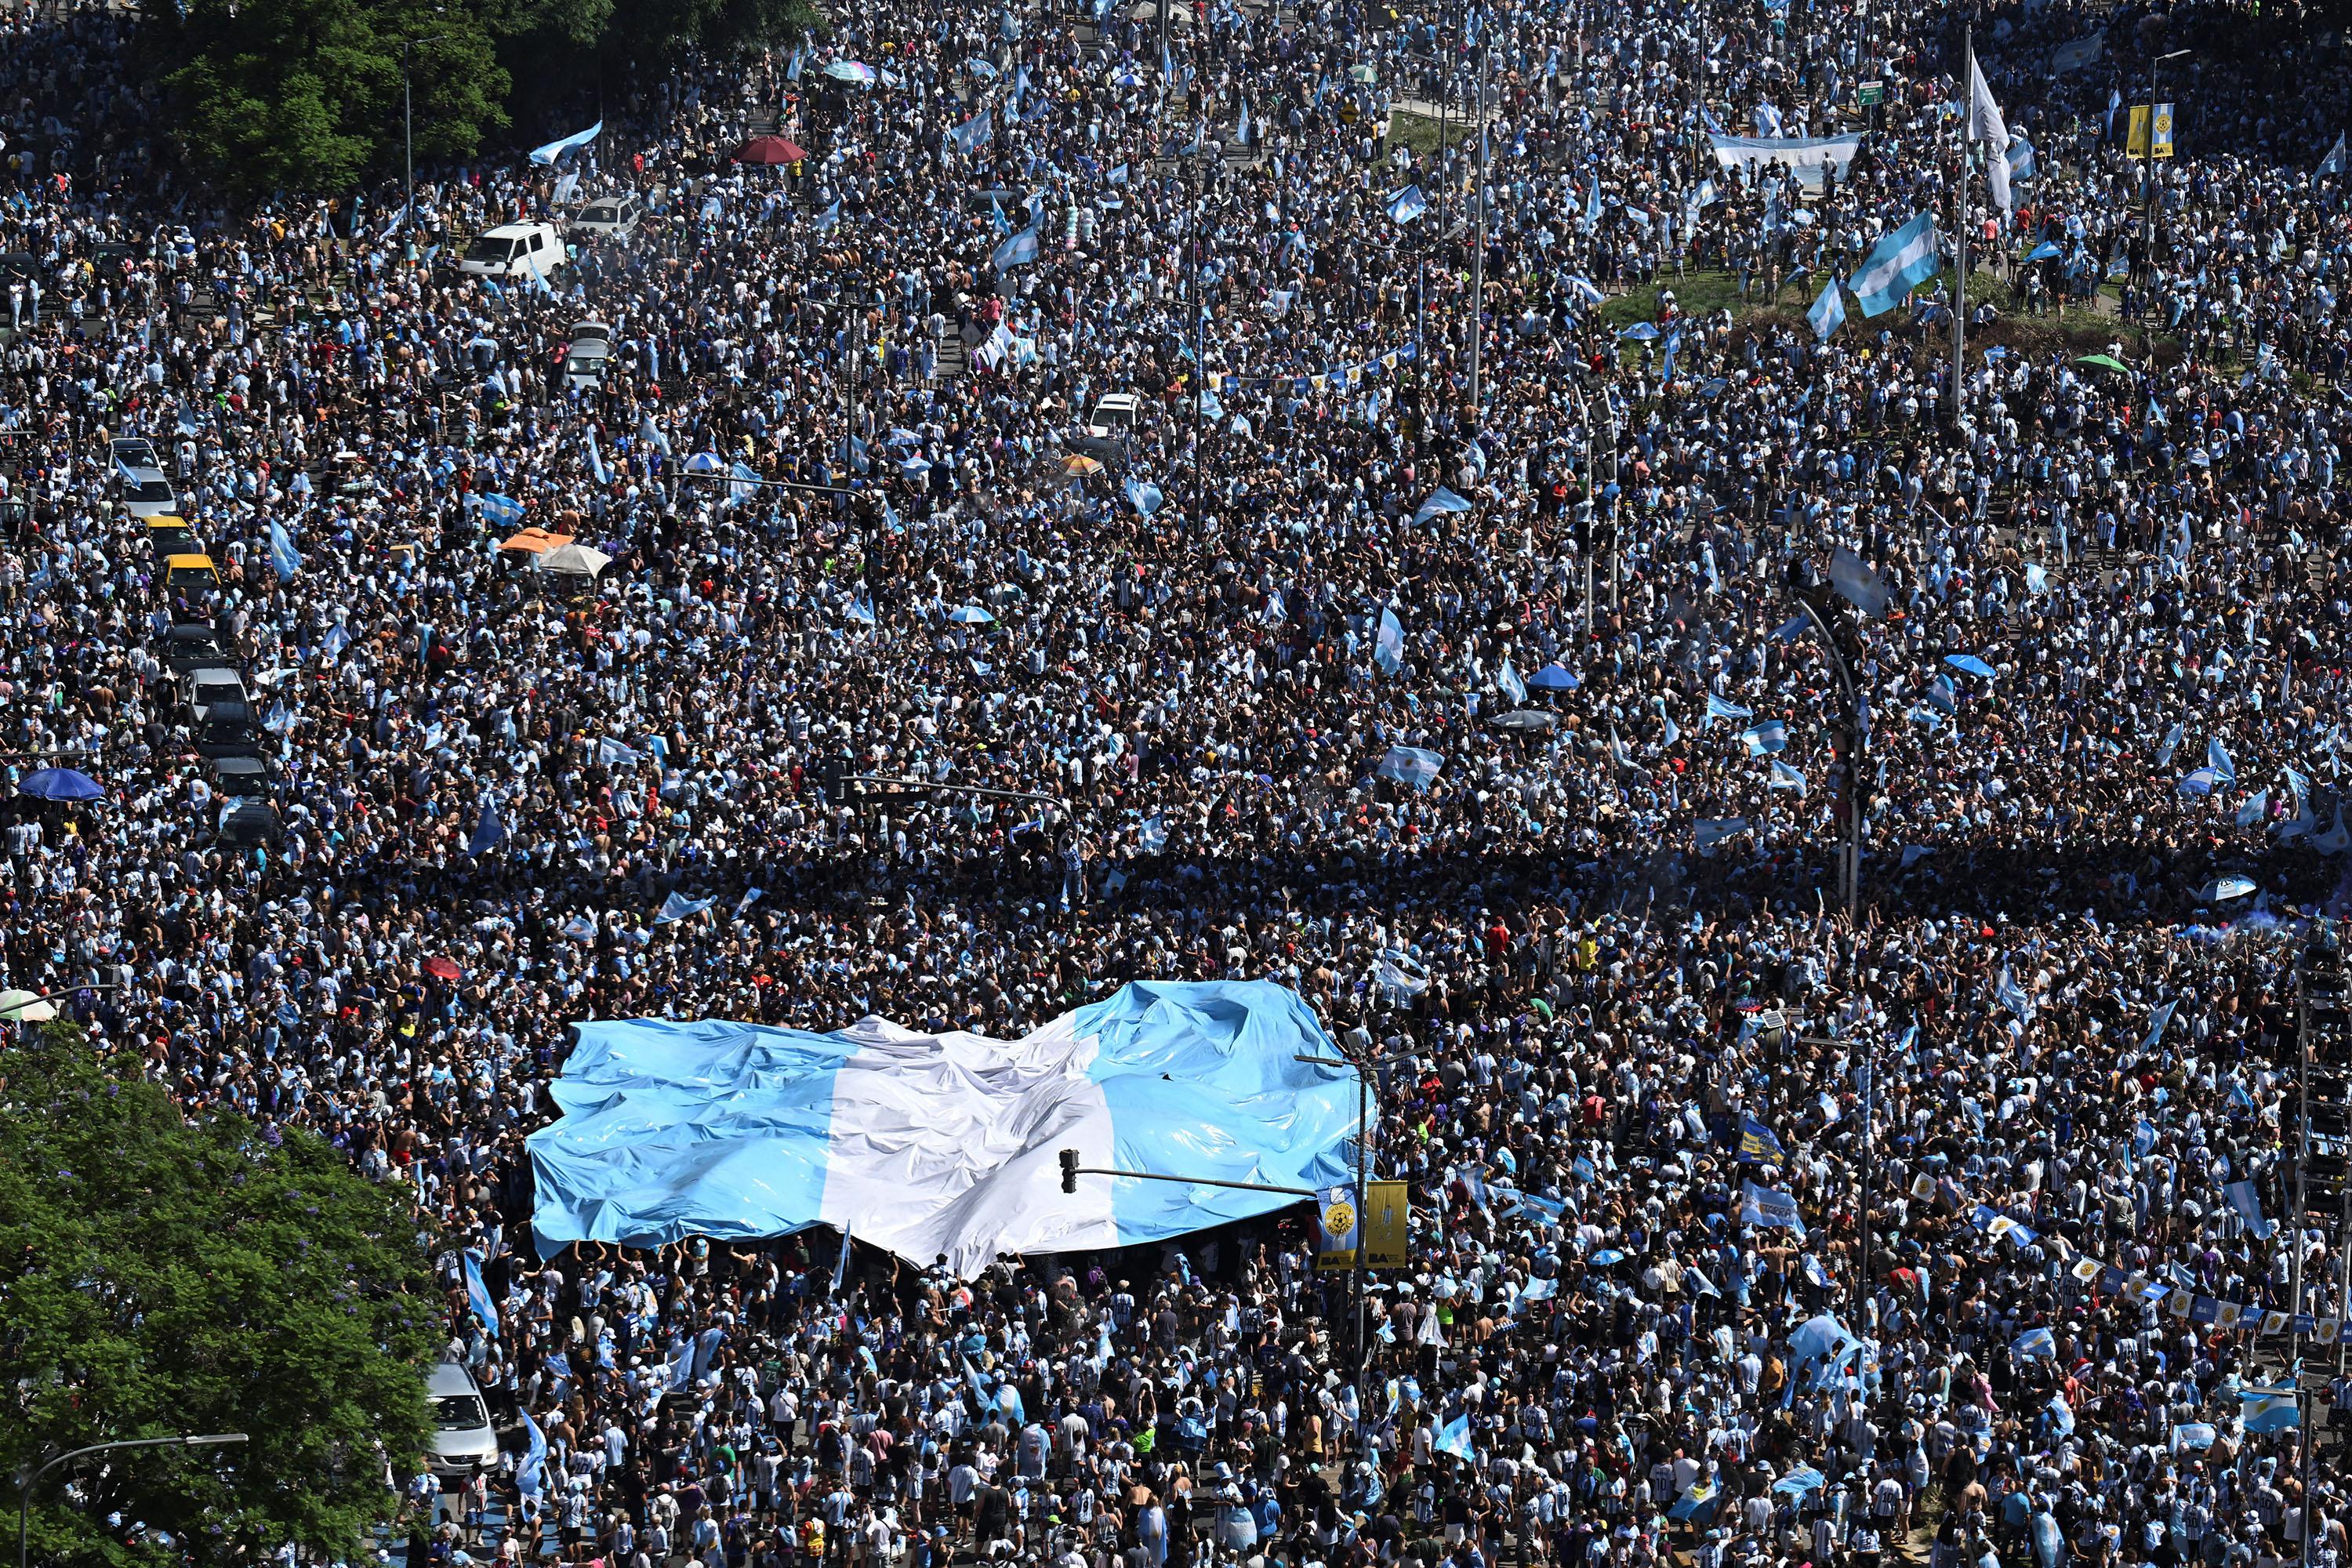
{"x": 945, "y": 1143}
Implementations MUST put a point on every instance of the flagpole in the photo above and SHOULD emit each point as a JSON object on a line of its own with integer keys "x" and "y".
{"x": 1960, "y": 218}
{"x": 1478, "y": 240}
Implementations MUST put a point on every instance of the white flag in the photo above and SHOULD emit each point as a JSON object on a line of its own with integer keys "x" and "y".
{"x": 1986, "y": 125}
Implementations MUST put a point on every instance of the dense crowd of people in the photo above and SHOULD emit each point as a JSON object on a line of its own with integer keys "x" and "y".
{"x": 1475, "y": 704}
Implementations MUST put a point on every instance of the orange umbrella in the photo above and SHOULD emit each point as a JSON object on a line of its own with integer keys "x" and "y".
{"x": 537, "y": 541}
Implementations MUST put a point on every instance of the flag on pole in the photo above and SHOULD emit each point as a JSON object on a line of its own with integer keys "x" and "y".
{"x": 478, "y": 1295}
{"x": 1986, "y": 125}
{"x": 1408, "y": 204}
{"x": 282, "y": 558}
{"x": 1017, "y": 251}
{"x": 1828, "y": 314}
{"x": 2333, "y": 164}
{"x": 1900, "y": 263}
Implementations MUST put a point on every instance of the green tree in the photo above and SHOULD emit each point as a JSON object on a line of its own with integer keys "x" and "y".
{"x": 161, "y": 1276}
{"x": 304, "y": 96}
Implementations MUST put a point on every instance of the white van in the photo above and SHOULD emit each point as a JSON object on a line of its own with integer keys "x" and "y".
{"x": 517, "y": 250}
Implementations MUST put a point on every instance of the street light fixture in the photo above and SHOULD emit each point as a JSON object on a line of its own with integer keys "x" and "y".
{"x": 2147, "y": 159}
{"x": 27, "y": 1482}
{"x": 408, "y": 132}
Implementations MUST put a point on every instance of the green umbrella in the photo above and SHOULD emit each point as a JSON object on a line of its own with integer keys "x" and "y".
{"x": 2106, "y": 361}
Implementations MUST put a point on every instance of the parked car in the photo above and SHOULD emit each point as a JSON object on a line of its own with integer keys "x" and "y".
{"x": 516, "y": 250}
{"x": 463, "y": 1444}
{"x": 189, "y": 644}
{"x": 609, "y": 217}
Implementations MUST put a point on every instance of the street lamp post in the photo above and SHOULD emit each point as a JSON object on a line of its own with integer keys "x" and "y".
{"x": 408, "y": 132}
{"x": 1363, "y": 1236}
{"x": 2148, "y": 204}
{"x": 27, "y": 1482}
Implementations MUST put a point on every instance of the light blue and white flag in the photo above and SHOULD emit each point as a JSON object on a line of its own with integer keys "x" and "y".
{"x": 478, "y": 1295}
{"x": 1414, "y": 765}
{"x": 1719, "y": 707}
{"x": 1388, "y": 643}
{"x": 2269, "y": 1410}
{"x": 2034, "y": 1343}
{"x": 1408, "y": 204}
{"x": 531, "y": 1470}
{"x": 282, "y": 558}
{"x": 2244, "y": 1198}
{"x": 1507, "y": 683}
{"x": 1828, "y": 314}
{"x": 677, "y": 907}
{"x": 1453, "y": 1438}
{"x": 554, "y": 150}
{"x": 1786, "y": 777}
{"x": 1763, "y": 739}
{"x": 1900, "y": 263}
{"x": 1440, "y": 503}
{"x": 2333, "y": 163}
{"x": 924, "y": 1144}
{"x": 2216, "y": 757}
{"x": 973, "y": 133}
{"x": 1017, "y": 251}
{"x": 1769, "y": 1208}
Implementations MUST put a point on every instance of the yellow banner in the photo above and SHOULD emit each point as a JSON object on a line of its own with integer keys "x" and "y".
{"x": 2136, "y": 139}
{"x": 1387, "y": 1208}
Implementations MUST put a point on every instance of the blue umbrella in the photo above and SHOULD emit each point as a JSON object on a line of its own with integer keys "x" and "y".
{"x": 60, "y": 783}
{"x": 969, "y": 615}
{"x": 1552, "y": 677}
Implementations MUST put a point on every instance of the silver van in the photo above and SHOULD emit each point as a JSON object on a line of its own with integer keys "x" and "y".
{"x": 463, "y": 1445}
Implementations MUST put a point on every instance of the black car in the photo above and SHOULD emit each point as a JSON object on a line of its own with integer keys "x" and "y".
{"x": 227, "y": 730}
{"x": 191, "y": 645}
{"x": 252, "y": 824}
{"x": 240, "y": 777}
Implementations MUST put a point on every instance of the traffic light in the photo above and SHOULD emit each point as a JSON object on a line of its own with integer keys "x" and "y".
{"x": 1069, "y": 1170}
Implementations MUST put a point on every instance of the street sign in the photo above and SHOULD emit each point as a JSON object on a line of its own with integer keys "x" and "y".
{"x": 1870, "y": 94}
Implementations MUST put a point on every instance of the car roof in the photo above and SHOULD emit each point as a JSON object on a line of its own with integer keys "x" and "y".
{"x": 509, "y": 230}
{"x": 448, "y": 1377}
{"x": 215, "y": 673}
{"x": 192, "y": 562}
{"x": 189, "y": 631}
{"x": 1116, "y": 400}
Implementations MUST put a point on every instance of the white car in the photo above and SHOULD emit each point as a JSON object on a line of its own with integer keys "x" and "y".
{"x": 463, "y": 1444}
{"x": 516, "y": 250}
{"x": 139, "y": 481}
{"x": 1114, "y": 415}
{"x": 208, "y": 686}
{"x": 609, "y": 217}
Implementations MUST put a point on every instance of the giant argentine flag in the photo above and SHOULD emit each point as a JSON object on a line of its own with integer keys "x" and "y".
{"x": 945, "y": 1143}
{"x": 1902, "y": 260}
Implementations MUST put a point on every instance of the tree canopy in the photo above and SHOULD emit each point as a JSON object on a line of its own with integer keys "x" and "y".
{"x": 305, "y": 95}
{"x": 164, "y": 1276}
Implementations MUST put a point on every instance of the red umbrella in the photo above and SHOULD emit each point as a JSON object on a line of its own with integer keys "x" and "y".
{"x": 769, "y": 150}
{"x": 443, "y": 969}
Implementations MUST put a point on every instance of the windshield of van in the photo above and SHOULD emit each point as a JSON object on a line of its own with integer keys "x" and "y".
{"x": 491, "y": 250}
{"x": 460, "y": 1413}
